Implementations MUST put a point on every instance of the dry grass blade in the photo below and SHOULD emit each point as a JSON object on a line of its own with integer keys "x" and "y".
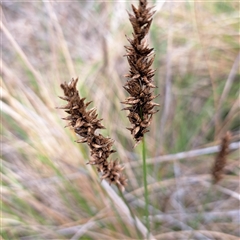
{"x": 229, "y": 81}
{"x": 126, "y": 211}
{"x": 195, "y": 233}
{"x": 18, "y": 49}
{"x": 183, "y": 155}
{"x": 56, "y": 24}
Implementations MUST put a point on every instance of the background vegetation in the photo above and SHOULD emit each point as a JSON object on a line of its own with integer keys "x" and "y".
{"x": 48, "y": 192}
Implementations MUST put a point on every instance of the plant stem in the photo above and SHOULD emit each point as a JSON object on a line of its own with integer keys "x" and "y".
{"x": 131, "y": 212}
{"x": 145, "y": 184}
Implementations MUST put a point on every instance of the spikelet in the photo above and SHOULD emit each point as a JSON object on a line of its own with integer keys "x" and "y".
{"x": 84, "y": 123}
{"x": 221, "y": 159}
{"x": 140, "y": 77}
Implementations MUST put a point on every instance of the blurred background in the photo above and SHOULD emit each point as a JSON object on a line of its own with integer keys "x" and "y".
{"x": 48, "y": 191}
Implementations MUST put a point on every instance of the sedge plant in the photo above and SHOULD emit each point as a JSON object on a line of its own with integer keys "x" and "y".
{"x": 47, "y": 190}
{"x": 141, "y": 107}
{"x": 140, "y": 83}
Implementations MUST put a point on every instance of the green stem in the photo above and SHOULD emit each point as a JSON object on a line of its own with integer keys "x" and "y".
{"x": 145, "y": 184}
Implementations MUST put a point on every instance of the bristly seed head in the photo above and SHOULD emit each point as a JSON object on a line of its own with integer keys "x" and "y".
{"x": 84, "y": 123}
{"x": 221, "y": 159}
{"x": 140, "y": 77}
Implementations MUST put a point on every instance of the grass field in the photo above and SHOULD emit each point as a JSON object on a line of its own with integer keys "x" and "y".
{"x": 48, "y": 191}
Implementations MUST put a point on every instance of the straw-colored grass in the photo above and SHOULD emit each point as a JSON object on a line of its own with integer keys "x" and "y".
{"x": 48, "y": 191}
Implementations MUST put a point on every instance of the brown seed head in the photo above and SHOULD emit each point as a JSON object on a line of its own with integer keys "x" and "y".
{"x": 85, "y": 122}
{"x": 140, "y": 77}
{"x": 221, "y": 159}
